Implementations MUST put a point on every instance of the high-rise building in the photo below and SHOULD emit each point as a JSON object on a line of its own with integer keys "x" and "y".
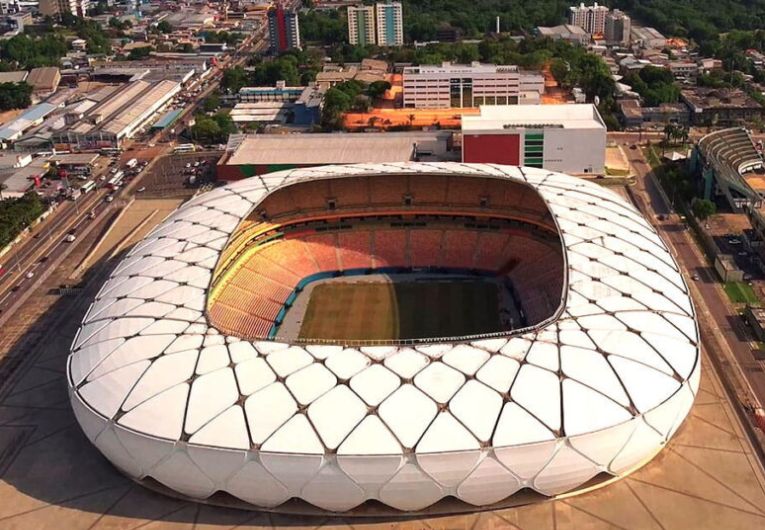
{"x": 469, "y": 85}
{"x": 618, "y": 28}
{"x": 390, "y": 26}
{"x": 56, "y": 8}
{"x": 361, "y": 25}
{"x": 283, "y": 29}
{"x": 591, "y": 19}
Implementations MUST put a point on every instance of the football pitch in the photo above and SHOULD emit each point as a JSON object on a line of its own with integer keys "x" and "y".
{"x": 366, "y": 311}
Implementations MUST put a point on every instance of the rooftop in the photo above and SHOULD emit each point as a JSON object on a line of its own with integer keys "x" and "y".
{"x": 329, "y": 148}
{"x": 567, "y": 116}
{"x": 701, "y": 98}
{"x": 46, "y": 77}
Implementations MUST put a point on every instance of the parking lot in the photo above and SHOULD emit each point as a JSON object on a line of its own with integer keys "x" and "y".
{"x": 180, "y": 175}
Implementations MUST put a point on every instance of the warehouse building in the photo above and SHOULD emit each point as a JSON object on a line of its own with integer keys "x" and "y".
{"x": 469, "y": 85}
{"x": 119, "y": 116}
{"x": 570, "y": 138}
{"x": 256, "y": 154}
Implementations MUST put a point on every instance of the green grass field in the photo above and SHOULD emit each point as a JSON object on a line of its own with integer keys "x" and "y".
{"x": 741, "y": 293}
{"x": 396, "y": 311}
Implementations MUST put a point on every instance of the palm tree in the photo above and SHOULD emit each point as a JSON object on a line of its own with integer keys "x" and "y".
{"x": 411, "y": 119}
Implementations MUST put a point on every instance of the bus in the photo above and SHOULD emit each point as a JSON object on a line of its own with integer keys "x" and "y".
{"x": 88, "y": 186}
{"x": 116, "y": 180}
{"x": 185, "y": 148}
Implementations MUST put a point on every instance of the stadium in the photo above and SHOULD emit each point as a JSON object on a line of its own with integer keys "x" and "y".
{"x": 389, "y": 338}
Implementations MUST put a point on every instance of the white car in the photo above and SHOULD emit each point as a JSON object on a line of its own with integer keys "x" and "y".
{"x": 70, "y": 238}
{"x": 30, "y": 275}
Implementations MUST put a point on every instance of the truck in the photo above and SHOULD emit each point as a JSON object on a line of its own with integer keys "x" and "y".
{"x": 133, "y": 162}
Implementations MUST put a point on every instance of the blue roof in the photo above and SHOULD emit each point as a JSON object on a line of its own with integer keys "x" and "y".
{"x": 26, "y": 119}
{"x": 167, "y": 119}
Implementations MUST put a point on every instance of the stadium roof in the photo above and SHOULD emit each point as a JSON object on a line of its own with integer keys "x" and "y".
{"x": 598, "y": 389}
{"x": 568, "y": 116}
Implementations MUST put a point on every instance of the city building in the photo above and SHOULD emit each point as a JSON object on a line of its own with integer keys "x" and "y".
{"x": 591, "y": 19}
{"x": 647, "y": 37}
{"x": 257, "y": 154}
{"x": 299, "y": 106}
{"x": 469, "y": 85}
{"x": 9, "y": 7}
{"x": 390, "y": 24}
{"x": 283, "y": 29}
{"x": 44, "y": 81}
{"x": 588, "y": 395}
{"x": 569, "y": 32}
{"x": 570, "y": 137}
{"x": 56, "y": 8}
{"x": 361, "y": 25}
{"x": 31, "y": 117}
{"x": 118, "y": 116}
{"x": 618, "y": 28}
{"x": 721, "y": 106}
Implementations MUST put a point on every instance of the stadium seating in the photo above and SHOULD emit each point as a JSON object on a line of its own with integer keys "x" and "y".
{"x": 425, "y": 248}
{"x": 387, "y": 222}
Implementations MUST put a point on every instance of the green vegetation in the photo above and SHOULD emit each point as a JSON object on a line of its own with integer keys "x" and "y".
{"x": 212, "y": 129}
{"x": 118, "y": 24}
{"x": 23, "y": 51}
{"x": 213, "y": 37}
{"x": 741, "y": 293}
{"x": 703, "y": 209}
{"x": 15, "y": 96}
{"x": 18, "y": 214}
{"x": 164, "y": 27}
{"x": 295, "y": 67}
{"x": 142, "y": 52}
{"x": 340, "y": 99}
{"x": 700, "y": 20}
{"x": 656, "y": 85}
{"x": 95, "y": 37}
{"x": 212, "y": 103}
{"x": 234, "y": 78}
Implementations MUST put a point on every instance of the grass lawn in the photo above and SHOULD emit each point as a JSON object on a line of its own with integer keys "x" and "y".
{"x": 741, "y": 293}
{"x": 396, "y": 311}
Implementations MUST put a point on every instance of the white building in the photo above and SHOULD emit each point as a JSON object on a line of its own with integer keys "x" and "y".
{"x": 470, "y": 85}
{"x": 591, "y": 19}
{"x": 390, "y": 24}
{"x": 570, "y": 138}
{"x": 361, "y": 25}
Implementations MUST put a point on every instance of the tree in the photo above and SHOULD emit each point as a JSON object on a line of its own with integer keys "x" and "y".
{"x": 377, "y": 89}
{"x": 136, "y": 54}
{"x": 211, "y": 103}
{"x": 164, "y": 27}
{"x": 15, "y": 95}
{"x": 703, "y": 209}
{"x": 234, "y": 79}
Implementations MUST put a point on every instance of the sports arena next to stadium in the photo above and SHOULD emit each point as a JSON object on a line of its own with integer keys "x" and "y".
{"x": 389, "y": 337}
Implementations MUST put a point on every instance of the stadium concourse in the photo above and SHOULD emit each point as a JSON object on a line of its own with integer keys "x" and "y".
{"x": 599, "y": 379}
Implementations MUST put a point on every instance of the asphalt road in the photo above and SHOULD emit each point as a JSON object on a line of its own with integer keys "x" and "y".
{"x": 721, "y": 327}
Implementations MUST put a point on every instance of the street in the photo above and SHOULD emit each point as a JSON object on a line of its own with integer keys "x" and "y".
{"x": 720, "y": 325}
